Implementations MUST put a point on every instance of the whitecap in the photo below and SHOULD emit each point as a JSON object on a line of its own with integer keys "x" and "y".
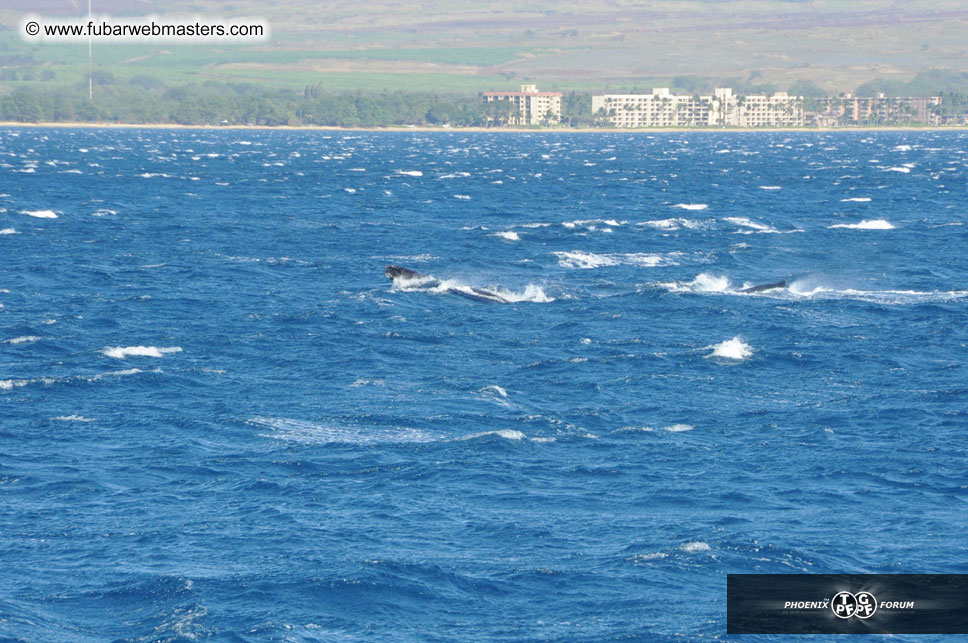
{"x": 867, "y": 224}
{"x": 704, "y": 282}
{"x": 678, "y": 428}
{"x": 732, "y": 349}
{"x": 463, "y": 197}
{"x": 507, "y": 434}
{"x": 508, "y": 235}
{"x": 410, "y": 172}
{"x": 40, "y": 214}
{"x": 22, "y": 340}
{"x": 902, "y": 170}
{"x": 691, "y": 206}
{"x": 305, "y": 432}
{"x": 771, "y": 187}
{"x": 121, "y": 352}
{"x": 497, "y": 389}
{"x": 8, "y": 231}
{"x": 857, "y": 199}
{"x": 589, "y": 260}
{"x": 694, "y": 547}
{"x": 73, "y": 418}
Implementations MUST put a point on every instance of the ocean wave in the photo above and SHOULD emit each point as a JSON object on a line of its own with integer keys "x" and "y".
{"x": 508, "y": 235}
{"x": 507, "y": 434}
{"x": 73, "y": 418}
{"x": 40, "y": 214}
{"x": 675, "y": 224}
{"x": 122, "y": 352}
{"x": 756, "y": 227}
{"x": 8, "y": 231}
{"x": 867, "y": 224}
{"x": 22, "y": 340}
{"x": 857, "y": 199}
{"x": 691, "y": 206}
{"x": 306, "y": 432}
{"x": 734, "y": 349}
{"x": 593, "y": 224}
{"x": 703, "y": 283}
{"x": 672, "y": 428}
{"x": 532, "y": 293}
{"x": 590, "y": 260}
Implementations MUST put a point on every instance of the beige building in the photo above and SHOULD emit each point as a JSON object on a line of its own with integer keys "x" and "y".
{"x": 848, "y": 110}
{"x": 778, "y": 110}
{"x": 534, "y": 107}
{"x": 664, "y": 109}
{"x": 658, "y": 109}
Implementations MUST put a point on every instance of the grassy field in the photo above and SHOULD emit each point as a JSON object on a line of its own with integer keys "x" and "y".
{"x": 467, "y": 47}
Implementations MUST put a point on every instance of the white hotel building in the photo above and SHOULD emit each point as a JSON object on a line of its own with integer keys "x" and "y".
{"x": 534, "y": 107}
{"x": 663, "y": 109}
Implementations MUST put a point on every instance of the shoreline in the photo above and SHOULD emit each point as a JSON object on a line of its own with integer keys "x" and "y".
{"x": 496, "y": 130}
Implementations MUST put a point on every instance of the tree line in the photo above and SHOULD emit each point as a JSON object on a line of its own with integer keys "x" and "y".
{"x": 144, "y": 99}
{"x": 216, "y": 103}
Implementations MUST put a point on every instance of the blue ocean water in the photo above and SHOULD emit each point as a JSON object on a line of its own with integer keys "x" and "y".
{"x": 219, "y": 420}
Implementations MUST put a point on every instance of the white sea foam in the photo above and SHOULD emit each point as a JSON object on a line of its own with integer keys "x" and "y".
{"x": 755, "y": 226}
{"x": 508, "y": 235}
{"x": 867, "y": 224}
{"x": 121, "y": 352}
{"x": 497, "y": 389}
{"x": 72, "y": 418}
{"x": 732, "y": 349}
{"x": 902, "y": 170}
{"x": 589, "y": 260}
{"x": 22, "y": 340}
{"x": 857, "y": 199}
{"x": 428, "y": 283}
{"x": 771, "y": 187}
{"x": 674, "y": 428}
{"x": 694, "y": 547}
{"x": 8, "y": 231}
{"x": 463, "y": 197}
{"x": 507, "y": 434}
{"x": 40, "y": 214}
{"x": 657, "y": 555}
{"x": 704, "y": 282}
{"x": 409, "y": 172}
{"x": 676, "y": 223}
{"x": 306, "y": 432}
{"x": 691, "y": 206}
{"x": 592, "y": 224}
{"x": 678, "y": 428}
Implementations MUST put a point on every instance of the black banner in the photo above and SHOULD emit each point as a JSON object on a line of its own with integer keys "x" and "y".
{"x": 847, "y": 603}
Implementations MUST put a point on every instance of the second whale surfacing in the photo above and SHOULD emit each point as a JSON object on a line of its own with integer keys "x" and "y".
{"x": 761, "y": 287}
{"x": 428, "y": 282}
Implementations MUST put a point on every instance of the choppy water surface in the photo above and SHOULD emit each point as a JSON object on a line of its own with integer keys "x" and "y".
{"x": 219, "y": 419}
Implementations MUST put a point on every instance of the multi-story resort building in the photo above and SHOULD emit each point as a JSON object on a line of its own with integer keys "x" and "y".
{"x": 664, "y": 109}
{"x": 879, "y": 110}
{"x": 534, "y": 107}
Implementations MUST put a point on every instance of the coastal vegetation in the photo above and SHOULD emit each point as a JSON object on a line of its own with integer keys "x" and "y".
{"x": 145, "y": 99}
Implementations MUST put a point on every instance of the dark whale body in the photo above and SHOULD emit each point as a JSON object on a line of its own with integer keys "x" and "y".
{"x": 761, "y": 287}
{"x": 476, "y": 294}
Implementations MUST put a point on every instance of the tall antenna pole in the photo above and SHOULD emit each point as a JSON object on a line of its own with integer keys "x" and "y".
{"x": 90, "y": 63}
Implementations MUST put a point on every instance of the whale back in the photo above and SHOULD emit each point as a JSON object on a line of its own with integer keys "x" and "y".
{"x": 394, "y": 272}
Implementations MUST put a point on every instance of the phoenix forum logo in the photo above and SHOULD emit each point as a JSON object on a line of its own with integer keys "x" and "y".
{"x": 846, "y": 605}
